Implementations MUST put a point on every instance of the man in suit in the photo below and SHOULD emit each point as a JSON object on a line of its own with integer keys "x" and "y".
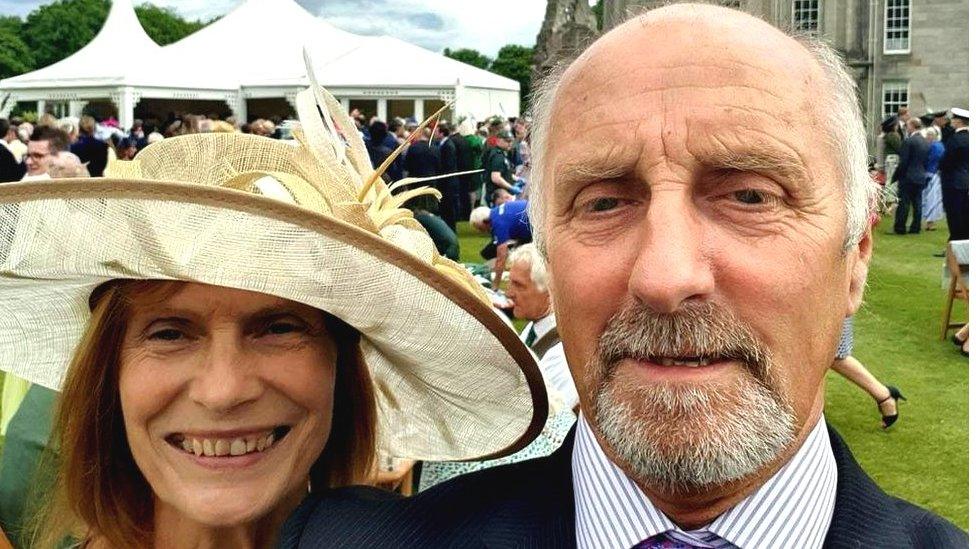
{"x": 421, "y": 160}
{"x": 910, "y": 176}
{"x": 701, "y": 263}
{"x": 448, "y": 186}
{"x": 955, "y": 177}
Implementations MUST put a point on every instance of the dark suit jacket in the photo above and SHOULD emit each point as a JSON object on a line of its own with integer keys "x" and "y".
{"x": 448, "y": 157}
{"x": 10, "y": 169}
{"x": 422, "y": 159}
{"x": 94, "y": 152}
{"x": 911, "y": 161}
{"x": 530, "y": 505}
{"x": 955, "y": 161}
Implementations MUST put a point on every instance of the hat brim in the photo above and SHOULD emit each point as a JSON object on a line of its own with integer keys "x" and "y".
{"x": 452, "y": 380}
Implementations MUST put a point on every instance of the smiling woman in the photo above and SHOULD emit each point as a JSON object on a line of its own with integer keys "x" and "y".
{"x": 225, "y": 398}
{"x": 236, "y": 322}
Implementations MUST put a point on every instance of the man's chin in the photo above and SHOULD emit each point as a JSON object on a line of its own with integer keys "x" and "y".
{"x": 692, "y": 437}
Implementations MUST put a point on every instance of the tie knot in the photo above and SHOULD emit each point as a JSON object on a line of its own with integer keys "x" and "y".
{"x": 669, "y": 540}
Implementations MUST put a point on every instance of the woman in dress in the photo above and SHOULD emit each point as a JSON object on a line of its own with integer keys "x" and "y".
{"x": 932, "y": 210}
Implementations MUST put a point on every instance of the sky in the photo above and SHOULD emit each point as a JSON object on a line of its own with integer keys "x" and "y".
{"x": 485, "y": 25}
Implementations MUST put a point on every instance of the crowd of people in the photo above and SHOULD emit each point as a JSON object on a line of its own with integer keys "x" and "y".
{"x": 237, "y": 363}
{"x": 927, "y": 156}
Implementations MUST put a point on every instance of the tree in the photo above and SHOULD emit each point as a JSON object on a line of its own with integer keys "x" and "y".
{"x": 11, "y": 23}
{"x": 515, "y": 62}
{"x": 598, "y": 12}
{"x": 163, "y": 25}
{"x": 469, "y": 56}
{"x": 57, "y": 30}
{"x": 15, "y": 56}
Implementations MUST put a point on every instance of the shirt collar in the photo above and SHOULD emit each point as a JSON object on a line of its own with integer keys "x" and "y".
{"x": 544, "y": 325}
{"x": 791, "y": 509}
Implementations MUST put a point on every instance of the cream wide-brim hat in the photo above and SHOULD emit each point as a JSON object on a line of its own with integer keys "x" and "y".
{"x": 452, "y": 380}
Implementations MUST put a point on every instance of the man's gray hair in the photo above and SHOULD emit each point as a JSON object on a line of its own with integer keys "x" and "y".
{"x": 529, "y": 254}
{"x": 843, "y": 123}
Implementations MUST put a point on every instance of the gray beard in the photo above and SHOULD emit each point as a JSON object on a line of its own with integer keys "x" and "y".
{"x": 687, "y": 438}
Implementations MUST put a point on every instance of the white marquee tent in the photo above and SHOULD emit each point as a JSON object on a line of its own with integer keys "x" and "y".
{"x": 235, "y": 61}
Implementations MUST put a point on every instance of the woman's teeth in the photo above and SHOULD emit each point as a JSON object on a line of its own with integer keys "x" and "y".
{"x": 224, "y": 446}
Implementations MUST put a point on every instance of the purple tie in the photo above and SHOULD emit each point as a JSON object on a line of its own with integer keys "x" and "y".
{"x": 664, "y": 541}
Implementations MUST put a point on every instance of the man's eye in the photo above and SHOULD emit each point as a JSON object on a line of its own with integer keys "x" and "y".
{"x": 604, "y": 204}
{"x": 750, "y": 196}
{"x": 166, "y": 334}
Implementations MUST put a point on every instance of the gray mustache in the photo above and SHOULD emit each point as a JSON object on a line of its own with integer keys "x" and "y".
{"x": 700, "y": 329}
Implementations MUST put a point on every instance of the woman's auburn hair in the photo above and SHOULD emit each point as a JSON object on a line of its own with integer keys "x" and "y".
{"x": 100, "y": 492}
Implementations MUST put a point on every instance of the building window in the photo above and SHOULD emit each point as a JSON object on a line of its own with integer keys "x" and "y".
{"x": 894, "y": 95}
{"x": 897, "y": 26}
{"x": 806, "y": 15}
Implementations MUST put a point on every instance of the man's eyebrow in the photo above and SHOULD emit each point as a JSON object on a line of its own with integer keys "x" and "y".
{"x": 584, "y": 170}
{"x": 760, "y": 161}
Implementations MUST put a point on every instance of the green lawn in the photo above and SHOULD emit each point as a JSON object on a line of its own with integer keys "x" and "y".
{"x": 924, "y": 457}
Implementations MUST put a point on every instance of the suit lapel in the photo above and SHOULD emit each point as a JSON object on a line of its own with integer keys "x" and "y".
{"x": 864, "y": 516}
{"x": 543, "y": 514}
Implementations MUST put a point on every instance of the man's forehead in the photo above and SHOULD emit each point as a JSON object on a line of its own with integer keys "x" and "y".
{"x": 716, "y": 47}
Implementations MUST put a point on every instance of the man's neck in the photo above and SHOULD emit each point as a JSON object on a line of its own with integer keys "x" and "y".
{"x": 694, "y": 510}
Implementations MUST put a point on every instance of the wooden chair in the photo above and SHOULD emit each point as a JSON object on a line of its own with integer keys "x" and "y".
{"x": 958, "y": 284}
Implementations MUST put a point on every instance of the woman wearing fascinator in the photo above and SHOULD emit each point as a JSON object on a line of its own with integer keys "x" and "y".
{"x": 234, "y": 322}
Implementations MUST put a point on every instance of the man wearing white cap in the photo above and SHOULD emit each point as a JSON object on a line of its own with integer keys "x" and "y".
{"x": 955, "y": 177}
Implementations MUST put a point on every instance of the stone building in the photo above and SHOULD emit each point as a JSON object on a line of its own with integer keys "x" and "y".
{"x": 911, "y": 53}
{"x": 568, "y": 26}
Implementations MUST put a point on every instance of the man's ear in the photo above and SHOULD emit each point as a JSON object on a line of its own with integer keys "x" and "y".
{"x": 859, "y": 258}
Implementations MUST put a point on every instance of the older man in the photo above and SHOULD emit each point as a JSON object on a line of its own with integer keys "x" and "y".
{"x": 705, "y": 243}
{"x": 528, "y": 289}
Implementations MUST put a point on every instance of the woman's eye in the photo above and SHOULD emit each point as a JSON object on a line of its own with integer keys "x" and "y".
{"x": 166, "y": 334}
{"x": 282, "y": 328}
{"x": 604, "y": 204}
{"x": 750, "y": 196}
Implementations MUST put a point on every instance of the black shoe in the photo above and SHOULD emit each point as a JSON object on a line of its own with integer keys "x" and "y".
{"x": 893, "y": 394}
{"x": 940, "y": 254}
{"x": 957, "y": 341}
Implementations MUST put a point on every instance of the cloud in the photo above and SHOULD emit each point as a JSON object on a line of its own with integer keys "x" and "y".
{"x": 433, "y": 24}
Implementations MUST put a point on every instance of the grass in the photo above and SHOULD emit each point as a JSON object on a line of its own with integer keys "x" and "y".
{"x": 924, "y": 457}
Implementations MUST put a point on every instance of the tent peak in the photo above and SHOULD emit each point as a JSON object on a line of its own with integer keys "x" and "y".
{"x": 123, "y": 24}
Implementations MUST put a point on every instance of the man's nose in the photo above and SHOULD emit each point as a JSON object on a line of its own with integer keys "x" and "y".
{"x": 671, "y": 265}
{"x": 227, "y": 376}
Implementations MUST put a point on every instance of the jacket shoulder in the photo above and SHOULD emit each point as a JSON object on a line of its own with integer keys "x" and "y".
{"x": 452, "y": 514}
{"x": 927, "y": 529}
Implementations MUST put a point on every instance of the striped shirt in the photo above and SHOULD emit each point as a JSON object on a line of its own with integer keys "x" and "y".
{"x": 792, "y": 509}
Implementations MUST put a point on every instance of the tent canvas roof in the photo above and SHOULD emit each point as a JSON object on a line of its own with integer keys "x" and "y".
{"x": 258, "y": 44}
{"x": 109, "y": 59}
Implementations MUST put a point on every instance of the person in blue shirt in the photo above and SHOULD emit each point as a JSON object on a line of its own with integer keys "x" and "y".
{"x": 509, "y": 226}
